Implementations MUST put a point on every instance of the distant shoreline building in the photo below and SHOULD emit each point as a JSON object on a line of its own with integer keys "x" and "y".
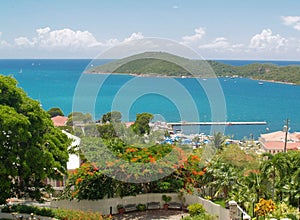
{"x": 274, "y": 142}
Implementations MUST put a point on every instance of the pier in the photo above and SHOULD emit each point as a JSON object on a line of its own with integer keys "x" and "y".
{"x": 226, "y": 123}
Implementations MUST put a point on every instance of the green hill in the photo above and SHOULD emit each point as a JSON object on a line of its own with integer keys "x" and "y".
{"x": 168, "y": 65}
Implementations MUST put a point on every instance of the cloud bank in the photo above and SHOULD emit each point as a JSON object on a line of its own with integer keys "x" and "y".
{"x": 68, "y": 42}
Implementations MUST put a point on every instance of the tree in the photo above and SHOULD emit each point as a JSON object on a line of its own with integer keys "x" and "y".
{"x": 55, "y": 112}
{"x": 113, "y": 117}
{"x": 141, "y": 124}
{"x": 218, "y": 140}
{"x": 79, "y": 118}
{"x": 31, "y": 148}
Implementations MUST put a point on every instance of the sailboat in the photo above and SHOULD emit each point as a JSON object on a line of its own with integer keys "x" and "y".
{"x": 21, "y": 70}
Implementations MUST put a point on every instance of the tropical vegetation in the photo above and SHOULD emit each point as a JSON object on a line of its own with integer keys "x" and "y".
{"x": 231, "y": 174}
{"x": 169, "y": 65}
{"x": 31, "y": 148}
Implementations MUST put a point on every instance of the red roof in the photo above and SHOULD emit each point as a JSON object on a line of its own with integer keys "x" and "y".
{"x": 279, "y": 145}
{"x": 59, "y": 120}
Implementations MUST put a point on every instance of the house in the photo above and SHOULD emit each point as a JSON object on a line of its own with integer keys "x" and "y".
{"x": 59, "y": 121}
{"x": 73, "y": 163}
{"x": 274, "y": 142}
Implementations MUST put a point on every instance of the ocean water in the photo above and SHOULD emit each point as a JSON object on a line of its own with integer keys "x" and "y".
{"x": 61, "y": 83}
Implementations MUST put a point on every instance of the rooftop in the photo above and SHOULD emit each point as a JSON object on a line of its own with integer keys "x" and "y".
{"x": 279, "y": 145}
{"x": 59, "y": 120}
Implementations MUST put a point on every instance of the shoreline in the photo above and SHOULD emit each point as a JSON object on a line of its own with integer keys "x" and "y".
{"x": 191, "y": 77}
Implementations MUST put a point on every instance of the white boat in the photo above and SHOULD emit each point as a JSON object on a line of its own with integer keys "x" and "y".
{"x": 260, "y": 83}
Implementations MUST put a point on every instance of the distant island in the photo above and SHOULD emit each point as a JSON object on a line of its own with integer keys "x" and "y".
{"x": 161, "y": 64}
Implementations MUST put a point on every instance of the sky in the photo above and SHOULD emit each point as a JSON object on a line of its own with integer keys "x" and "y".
{"x": 216, "y": 29}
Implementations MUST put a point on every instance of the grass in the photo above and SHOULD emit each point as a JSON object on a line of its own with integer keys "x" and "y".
{"x": 220, "y": 202}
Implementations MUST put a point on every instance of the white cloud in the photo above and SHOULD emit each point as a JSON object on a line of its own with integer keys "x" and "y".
{"x": 134, "y": 36}
{"x": 266, "y": 40}
{"x": 293, "y": 21}
{"x": 175, "y": 6}
{"x": 3, "y": 43}
{"x": 199, "y": 33}
{"x": 69, "y": 39}
{"x": 221, "y": 43}
{"x": 24, "y": 42}
{"x": 64, "y": 38}
{"x": 297, "y": 26}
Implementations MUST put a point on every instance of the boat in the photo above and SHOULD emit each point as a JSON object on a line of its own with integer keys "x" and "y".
{"x": 21, "y": 71}
{"x": 260, "y": 83}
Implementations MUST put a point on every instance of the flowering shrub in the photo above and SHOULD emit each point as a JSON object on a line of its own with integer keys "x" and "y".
{"x": 264, "y": 207}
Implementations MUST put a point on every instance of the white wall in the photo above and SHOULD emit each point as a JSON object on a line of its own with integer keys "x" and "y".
{"x": 104, "y": 205}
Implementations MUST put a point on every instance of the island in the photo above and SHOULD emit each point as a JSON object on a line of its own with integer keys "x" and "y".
{"x": 162, "y": 64}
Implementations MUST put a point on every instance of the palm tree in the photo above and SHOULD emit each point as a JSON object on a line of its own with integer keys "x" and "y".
{"x": 280, "y": 169}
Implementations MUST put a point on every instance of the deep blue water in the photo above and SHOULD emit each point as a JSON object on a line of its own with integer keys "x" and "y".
{"x": 60, "y": 83}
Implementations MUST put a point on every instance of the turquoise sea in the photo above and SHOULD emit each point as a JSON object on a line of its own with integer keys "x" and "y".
{"x": 54, "y": 82}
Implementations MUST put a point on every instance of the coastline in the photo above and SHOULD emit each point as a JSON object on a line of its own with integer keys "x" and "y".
{"x": 182, "y": 77}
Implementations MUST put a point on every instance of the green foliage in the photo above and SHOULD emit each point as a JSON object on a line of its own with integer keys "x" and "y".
{"x": 233, "y": 154}
{"x": 111, "y": 130}
{"x": 141, "y": 124}
{"x": 196, "y": 209}
{"x": 79, "y": 118}
{"x": 285, "y": 211}
{"x": 152, "y": 66}
{"x": 54, "y": 213}
{"x": 166, "y": 198}
{"x": 112, "y": 117}
{"x": 141, "y": 207}
{"x": 165, "y": 64}
{"x": 77, "y": 215}
{"x": 204, "y": 216}
{"x": 31, "y": 148}
{"x": 218, "y": 140}
{"x": 26, "y": 209}
{"x": 55, "y": 112}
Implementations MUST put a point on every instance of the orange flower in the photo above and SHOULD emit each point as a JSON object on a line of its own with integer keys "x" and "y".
{"x": 75, "y": 193}
{"x": 195, "y": 157}
{"x": 152, "y": 160}
{"x": 134, "y": 159}
{"x": 130, "y": 150}
{"x": 200, "y": 173}
{"x": 78, "y": 180}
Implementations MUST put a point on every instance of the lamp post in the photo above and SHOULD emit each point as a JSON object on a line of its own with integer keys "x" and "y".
{"x": 286, "y": 129}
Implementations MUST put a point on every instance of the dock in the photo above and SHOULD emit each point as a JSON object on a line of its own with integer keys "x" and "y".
{"x": 226, "y": 123}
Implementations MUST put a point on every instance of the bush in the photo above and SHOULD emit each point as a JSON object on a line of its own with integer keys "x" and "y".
{"x": 201, "y": 217}
{"x": 77, "y": 215}
{"x": 196, "y": 209}
{"x": 26, "y": 209}
{"x": 141, "y": 207}
{"x": 57, "y": 213}
{"x": 29, "y": 209}
{"x": 45, "y": 212}
{"x": 166, "y": 198}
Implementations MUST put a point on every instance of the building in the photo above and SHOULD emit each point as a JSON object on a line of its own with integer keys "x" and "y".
{"x": 73, "y": 163}
{"x": 59, "y": 121}
{"x": 274, "y": 142}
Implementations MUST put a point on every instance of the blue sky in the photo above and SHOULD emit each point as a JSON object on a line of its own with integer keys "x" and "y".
{"x": 216, "y": 29}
